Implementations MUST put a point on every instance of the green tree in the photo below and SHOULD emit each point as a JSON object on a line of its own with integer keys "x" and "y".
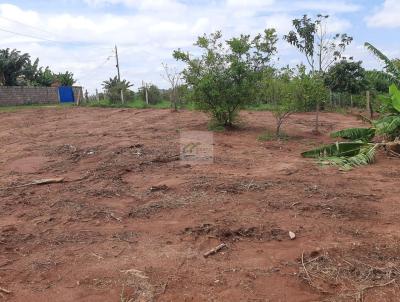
{"x": 113, "y": 88}
{"x": 13, "y": 64}
{"x": 310, "y": 89}
{"x": 43, "y": 77}
{"x": 285, "y": 92}
{"x": 377, "y": 81}
{"x": 311, "y": 38}
{"x": 66, "y": 78}
{"x": 347, "y": 77}
{"x": 223, "y": 78}
{"x": 321, "y": 50}
{"x": 290, "y": 90}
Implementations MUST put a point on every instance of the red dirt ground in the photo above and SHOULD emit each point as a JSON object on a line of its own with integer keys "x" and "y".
{"x": 104, "y": 235}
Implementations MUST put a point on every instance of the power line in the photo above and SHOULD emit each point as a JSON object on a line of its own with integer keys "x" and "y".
{"x": 27, "y": 25}
{"x": 90, "y": 72}
{"x": 39, "y": 29}
{"x": 45, "y": 39}
{"x": 29, "y": 36}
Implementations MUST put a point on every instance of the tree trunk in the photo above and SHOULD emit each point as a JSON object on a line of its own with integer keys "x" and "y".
{"x": 278, "y": 129}
{"x": 174, "y": 102}
{"x": 369, "y": 106}
{"x": 317, "y": 119}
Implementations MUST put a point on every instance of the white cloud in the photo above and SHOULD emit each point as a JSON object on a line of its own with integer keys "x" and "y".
{"x": 28, "y": 17}
{"x": 144, "y": 5}
{"x": 282, "y": 22}
{"x": 248, "y": 4}
{"x": 325, "y": 6}
{"x": 338, "y": 25}
{"x": 388, "y": 16}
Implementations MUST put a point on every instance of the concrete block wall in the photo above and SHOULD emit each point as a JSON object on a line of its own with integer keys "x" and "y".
{"x": 22, "y": 95}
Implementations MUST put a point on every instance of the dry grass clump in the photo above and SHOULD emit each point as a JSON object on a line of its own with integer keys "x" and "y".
{"x": 350, "y": 274}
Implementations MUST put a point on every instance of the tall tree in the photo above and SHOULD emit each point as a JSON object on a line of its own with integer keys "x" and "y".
{"x": 321, "y": 49}
{"x": 312, "y": 38}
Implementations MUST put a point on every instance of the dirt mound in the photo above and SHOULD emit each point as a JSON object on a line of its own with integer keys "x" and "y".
{"x": 239, "y": 233}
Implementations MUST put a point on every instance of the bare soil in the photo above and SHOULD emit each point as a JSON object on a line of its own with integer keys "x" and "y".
{"x": 130, "y": 222}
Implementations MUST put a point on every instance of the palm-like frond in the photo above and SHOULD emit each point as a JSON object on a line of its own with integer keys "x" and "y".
{"x": 388, "y": 125}
{"x": 364, "y": 134}
{"x": 339, "y": 149}
{"x": 365, "y": 157}
{"x": 395, "y": 97}
{"x": 391, "y": 68}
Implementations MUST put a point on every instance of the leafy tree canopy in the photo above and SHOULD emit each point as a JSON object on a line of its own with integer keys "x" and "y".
{"x": 346, "y": 76}
{"x": 223, "y": 77}
{"x": 311, "y": 38}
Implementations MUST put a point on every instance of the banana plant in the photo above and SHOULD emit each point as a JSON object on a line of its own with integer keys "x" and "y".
{"x": 392, "y": 71}
{"x": 362, "y": 148}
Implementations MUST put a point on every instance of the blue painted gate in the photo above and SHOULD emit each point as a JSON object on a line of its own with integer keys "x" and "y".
{"x": 66, "y": 94}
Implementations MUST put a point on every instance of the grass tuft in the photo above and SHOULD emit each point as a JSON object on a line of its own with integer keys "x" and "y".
{"x": 270, "y": 136}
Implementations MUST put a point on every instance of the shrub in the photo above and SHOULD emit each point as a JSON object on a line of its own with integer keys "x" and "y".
{"x": 223, "y": 79}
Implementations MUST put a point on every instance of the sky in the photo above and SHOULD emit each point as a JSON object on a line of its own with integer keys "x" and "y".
{"x": 80, "y": 35}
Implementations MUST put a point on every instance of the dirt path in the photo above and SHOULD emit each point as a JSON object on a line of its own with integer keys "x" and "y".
{"x": 131, "y": 222}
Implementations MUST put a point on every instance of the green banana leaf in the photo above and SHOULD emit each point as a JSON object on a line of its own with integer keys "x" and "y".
{"x": 388, "y": 125}
{"x": 364, "y": 134}
{"x": 365, "y": 157}
{"x": 338, "y": 149}
{"x": 395, "y": 96}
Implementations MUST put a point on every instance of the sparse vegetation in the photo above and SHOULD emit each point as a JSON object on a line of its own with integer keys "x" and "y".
{"x": 270, "y": 136}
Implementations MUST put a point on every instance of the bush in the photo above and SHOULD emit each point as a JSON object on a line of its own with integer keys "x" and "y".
{"x": 153, "y": 93}
{"x": 223, "y": 79}
{"x": 113, "y": 88}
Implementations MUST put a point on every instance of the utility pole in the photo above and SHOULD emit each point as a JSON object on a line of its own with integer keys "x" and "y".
{"x": 145, "y": 92}
{"x": 119, "y": 74}
{"x": 116, "y": 57}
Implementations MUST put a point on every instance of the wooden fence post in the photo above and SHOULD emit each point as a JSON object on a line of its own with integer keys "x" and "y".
{"x": 369, "y": 105}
